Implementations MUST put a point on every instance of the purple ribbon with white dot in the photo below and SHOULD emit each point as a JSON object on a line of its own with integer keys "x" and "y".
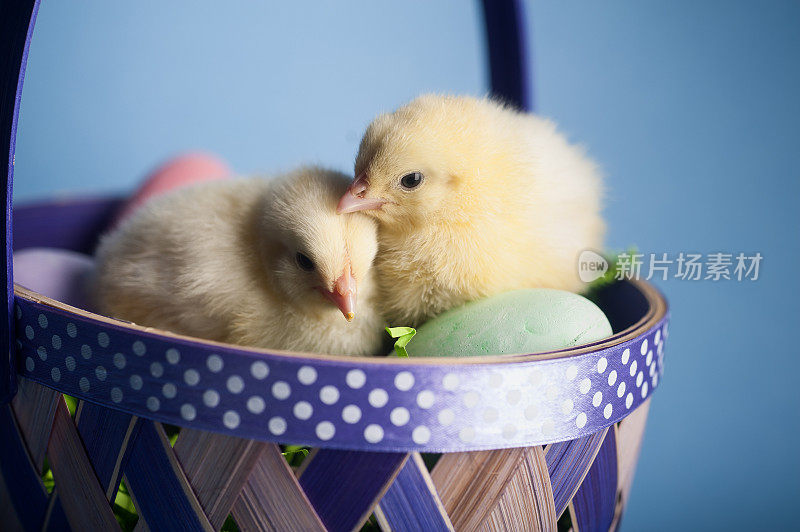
{"x": 375, "y": 404}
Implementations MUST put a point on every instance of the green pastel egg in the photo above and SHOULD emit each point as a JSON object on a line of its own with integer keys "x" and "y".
{"x": 522, "y": 321}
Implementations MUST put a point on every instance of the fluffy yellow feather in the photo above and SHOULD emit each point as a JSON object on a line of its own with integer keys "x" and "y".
{"x": 472, "y": 199}
{"x": 254, "y": 262}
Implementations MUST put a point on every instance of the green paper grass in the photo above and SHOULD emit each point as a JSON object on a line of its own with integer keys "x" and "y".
{"x": 295, "y": 454}
{"x": 610, "y": 274}
{"x": 403, "y": 335}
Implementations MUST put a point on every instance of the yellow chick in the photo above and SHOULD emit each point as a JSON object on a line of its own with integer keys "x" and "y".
{"x": 255, "y": 262}
{"x": 472, "y": 199}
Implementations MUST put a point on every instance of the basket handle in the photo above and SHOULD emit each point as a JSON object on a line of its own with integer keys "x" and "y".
{"x": 510, "y": 75}
{"x": 16, "y": 26}
{"x": 505, "y": 35}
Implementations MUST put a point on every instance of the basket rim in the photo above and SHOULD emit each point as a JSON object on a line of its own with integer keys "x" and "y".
{"x": 441, "y": 402}
{"x": 657, "y": 310}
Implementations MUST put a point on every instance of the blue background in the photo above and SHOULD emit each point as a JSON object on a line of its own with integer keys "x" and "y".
{"x": 692, "y": 110}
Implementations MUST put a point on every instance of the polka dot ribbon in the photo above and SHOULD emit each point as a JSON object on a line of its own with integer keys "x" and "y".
{"x": 397, "y": 405}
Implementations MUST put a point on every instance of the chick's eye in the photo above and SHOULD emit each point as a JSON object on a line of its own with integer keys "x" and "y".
{"x": 304, "y": 262}
{"x": 412, "y": 180}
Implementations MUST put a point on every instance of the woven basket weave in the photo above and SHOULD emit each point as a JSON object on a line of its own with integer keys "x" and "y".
{"x": 526, "y": 439}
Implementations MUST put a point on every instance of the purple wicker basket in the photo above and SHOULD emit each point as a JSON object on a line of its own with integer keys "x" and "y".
{"x": 526, "y": 439}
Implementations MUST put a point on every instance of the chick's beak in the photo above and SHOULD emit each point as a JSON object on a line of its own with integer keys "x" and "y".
{"x": 343, "y": 294}
{"x": 354, "y": 199}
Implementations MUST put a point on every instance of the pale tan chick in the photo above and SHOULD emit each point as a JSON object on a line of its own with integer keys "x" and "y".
{"x": 472, "y": 199}
{"x": 256, "y": 262}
